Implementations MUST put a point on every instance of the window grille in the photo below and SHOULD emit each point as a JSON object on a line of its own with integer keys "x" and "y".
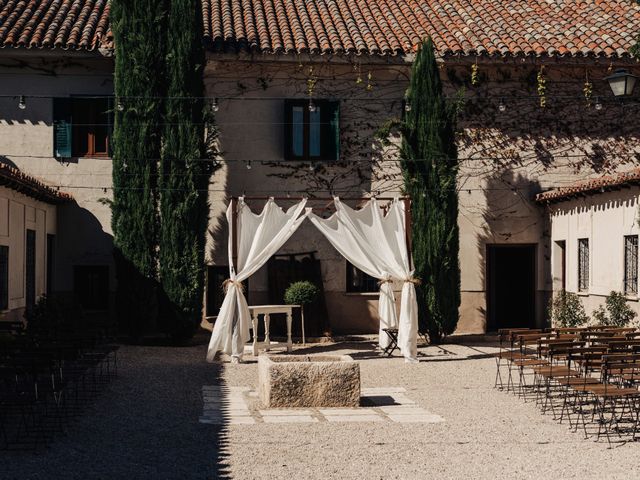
{"x": 583, "y": 264}
{"x": 631, "y": 265}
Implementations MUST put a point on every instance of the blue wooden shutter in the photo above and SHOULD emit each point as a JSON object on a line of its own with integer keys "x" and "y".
{"x": 62, "y": 132}
{"x": 331, "y": 135}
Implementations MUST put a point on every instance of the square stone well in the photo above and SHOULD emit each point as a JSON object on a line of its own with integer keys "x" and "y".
{"x": 308, "y": 381}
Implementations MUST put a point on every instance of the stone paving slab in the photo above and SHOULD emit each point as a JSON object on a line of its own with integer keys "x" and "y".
{"x": 289, "y": 419}
{"x": 347, "y": 411}
{"x": 235, "y": 405}
{"x": 283, "y": 412}
{"x": 428, "y": 418}
{"x": 354, "y": 418}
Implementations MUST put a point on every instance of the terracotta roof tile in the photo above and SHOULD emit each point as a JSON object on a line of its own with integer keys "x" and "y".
{"x": 66, "y": 24}
{"x": 458, "y": 27}
{"x": 379, "y": 27}
{"x": 595, "y": 185}
{"x": 14, "y": 179}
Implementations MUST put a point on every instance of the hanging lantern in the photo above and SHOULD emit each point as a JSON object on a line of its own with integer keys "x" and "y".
{"x": 622, "y": 82}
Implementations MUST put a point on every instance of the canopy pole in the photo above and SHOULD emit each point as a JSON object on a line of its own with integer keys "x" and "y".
{"x": 407, "y": 229}
{"x": 234, "y": 232}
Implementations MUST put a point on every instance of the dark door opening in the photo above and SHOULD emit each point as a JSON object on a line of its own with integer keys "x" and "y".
{"x": 285, "y": 269}
{"x": 91, "y": 286}
{"x": 511, "y": 286}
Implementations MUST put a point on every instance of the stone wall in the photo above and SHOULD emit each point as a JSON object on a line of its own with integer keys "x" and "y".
{"x": 26, "y": 141}
{"x": 19, "y": 213}
{"x": 506, "y": 156}
{"x": 604, "y": 219}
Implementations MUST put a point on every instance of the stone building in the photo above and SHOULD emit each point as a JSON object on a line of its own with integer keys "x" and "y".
{"x": 300, "y": 90}
{"x": 594, "y": 237}
{"x": 28, "y": 228}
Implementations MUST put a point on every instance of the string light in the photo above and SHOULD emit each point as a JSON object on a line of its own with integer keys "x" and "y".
{"x": 312, "y": 106}
{"x": 407, "y": 106}
{"x": 119, "y": 106}
{"x": 249, "y": 165}
{"x": 501, "y": 106}
{"x": 22, "y": 103}
{"x": 214, "y": 106}
{"x": 598, "y": 105}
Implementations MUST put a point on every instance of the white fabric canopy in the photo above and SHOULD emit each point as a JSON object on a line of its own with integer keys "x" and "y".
{"x": 376, "y": 244}
{"x": 258, "y": 237}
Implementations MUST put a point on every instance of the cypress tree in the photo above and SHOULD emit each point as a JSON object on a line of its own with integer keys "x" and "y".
{"x": 184, "y": 174}
{"x": 429, "y": 165}
{"x": 139, "y": 29}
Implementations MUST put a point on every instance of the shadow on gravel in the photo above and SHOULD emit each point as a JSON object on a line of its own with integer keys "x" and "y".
{"x": 144, "y": 425}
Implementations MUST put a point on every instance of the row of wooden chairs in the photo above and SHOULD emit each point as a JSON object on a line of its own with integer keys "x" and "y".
{"x": 588, "y": 377}
{"x": 46, "y": 381}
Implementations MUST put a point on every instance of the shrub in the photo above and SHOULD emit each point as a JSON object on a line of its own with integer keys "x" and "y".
{"x": 300, "y": 293}
{"x": 615, "y": 312}
{"x": 566, "y": 310}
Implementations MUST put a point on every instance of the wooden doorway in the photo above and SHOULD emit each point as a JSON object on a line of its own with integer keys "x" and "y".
{"x": 511, "y": 286}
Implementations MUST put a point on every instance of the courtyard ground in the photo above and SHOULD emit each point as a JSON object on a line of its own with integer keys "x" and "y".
{"x": 147, "y": 424}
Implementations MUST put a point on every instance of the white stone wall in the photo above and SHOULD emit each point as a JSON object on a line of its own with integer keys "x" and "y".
{"x": 604, "y": 219}
{"x": 19, "y": 213}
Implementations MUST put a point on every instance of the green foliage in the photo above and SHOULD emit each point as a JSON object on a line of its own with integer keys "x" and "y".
{"x": 566, "y": 310}
{"x": 301, "y": 293}
{"x": 139, "y": 28}
{"x": 159, "y": 209}
{"x": 184, "y": 175}
{"x": 635, "y": 50}
{"x": 615, "y": 312}
{"x": 429, "y": 165}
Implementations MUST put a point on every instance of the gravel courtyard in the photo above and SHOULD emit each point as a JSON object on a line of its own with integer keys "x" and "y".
{"x": 145, "y": 424}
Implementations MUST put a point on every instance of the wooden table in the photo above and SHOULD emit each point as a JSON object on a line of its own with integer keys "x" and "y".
{"x": 266, "y": 311}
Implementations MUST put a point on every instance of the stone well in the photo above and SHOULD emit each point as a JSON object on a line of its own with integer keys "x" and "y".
{"x": 308, "y": 381}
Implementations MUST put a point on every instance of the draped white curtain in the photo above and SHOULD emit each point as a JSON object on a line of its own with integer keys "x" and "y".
{"x": 258, "y": 238}
{"x": 376, "y": 244}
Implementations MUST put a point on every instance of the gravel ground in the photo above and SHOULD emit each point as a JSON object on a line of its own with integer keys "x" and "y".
{"x": 486, "y": 434}
{"x": 145, "y": 425}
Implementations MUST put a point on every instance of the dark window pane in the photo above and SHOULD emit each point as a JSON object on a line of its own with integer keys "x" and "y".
{"x": 312, "y": 135}
{"x": 4, "y": 277}
{"x": 298, "y": 131}
{"x": 314, "y": 132}
{"x": 30, "y": 264}
{"x": 360, "y": 282}
{"x": 50, "y": 259}
{"x": 91, "y": 126}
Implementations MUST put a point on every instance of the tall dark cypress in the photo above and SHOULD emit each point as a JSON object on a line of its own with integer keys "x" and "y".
{"x": 139, "y": 29}
{"x": 184, "y": 174}
{"x": 430, "y": 166}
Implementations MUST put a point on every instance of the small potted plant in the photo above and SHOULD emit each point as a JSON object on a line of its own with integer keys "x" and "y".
{"x": 301, "y": 293}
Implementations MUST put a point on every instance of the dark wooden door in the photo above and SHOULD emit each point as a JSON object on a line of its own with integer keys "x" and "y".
{"x": 283, "y": 270}
{"x": 511, "y": 286}
{"x": 91, "y": 286}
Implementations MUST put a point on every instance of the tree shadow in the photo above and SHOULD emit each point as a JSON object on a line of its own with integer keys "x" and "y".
{"x": 147, "y": 423}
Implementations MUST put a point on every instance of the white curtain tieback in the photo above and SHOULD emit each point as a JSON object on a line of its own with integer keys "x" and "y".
{"x": 228, "y": 282}
{"x": 415, "y": 281}
{"x": 385, "y": 280}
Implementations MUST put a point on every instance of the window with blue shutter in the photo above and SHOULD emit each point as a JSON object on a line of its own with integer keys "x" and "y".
{"x": 312, "y": 130}
{"x": 62, "y": 135}
{"x": 82, "y": 126}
